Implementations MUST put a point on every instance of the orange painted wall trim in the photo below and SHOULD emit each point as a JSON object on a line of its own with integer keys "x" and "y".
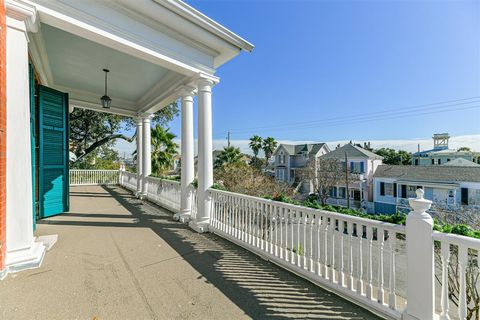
{"x": 3, "y": 133}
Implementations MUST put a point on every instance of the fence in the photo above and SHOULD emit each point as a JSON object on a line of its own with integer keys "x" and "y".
{"x": 93, "y": 177}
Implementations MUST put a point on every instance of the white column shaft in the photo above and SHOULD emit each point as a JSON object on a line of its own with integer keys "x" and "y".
{"x": 188, "y": 170}
{"x": 22, "y": 251}
{"x": 205, "y": 161}
{"x": 147, "y": 154}
{"x": 139, "y": 140}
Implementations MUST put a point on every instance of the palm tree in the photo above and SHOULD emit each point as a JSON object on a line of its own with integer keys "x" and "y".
{"x": 269, "y": 145}
{"x": 164, "y": 150}
{"x": 255, "y": 144}
{"x": 227, "y": 156}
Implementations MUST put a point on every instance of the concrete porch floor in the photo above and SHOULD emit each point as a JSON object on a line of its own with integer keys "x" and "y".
{"x": 121, "y": 258}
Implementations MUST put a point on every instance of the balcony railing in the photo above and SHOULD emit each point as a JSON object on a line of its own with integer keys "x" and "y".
{"x": 371, "y": 263}
{"x": 93, "y": 177}
{"x": 353, "y": 256}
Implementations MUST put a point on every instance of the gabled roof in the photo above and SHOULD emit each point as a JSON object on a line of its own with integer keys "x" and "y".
{"x": 352, "y": 151}
{"x": 311, "y": 148}
{"x": 461, "y": 162}
{"x": 443, "y": 174}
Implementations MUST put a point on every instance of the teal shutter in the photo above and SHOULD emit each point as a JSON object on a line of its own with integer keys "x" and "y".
{"x": 362, "y": 167}
{"x": 53, "y": 152}
{"x": 32, "y": 141}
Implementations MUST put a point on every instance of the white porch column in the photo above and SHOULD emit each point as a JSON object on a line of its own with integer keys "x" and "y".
{"x": 188, "y": 170}
{"x": 138, "y": 121}
{"x": 146, "y": 153}
{"x": 22, "y": 251}
{"x": 205, "y": 161}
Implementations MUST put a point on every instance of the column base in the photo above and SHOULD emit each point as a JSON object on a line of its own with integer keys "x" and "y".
{"x": 200, "y": 227}
{"x": 28, "y": 258}
{"x": 182, "y": 216}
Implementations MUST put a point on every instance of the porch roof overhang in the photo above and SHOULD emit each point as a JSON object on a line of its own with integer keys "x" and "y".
{"x": 151, "y": 47}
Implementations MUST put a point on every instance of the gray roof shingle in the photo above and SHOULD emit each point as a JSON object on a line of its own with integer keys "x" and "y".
{"x": 352, "y": 151}
{"x": 429, "y": 173}
{"x": 293, "y": 149}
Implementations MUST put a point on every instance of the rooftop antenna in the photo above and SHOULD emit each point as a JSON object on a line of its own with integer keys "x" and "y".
{"x": 228, "y": 139}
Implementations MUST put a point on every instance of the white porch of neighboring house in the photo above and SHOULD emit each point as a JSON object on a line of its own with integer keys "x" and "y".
{"x": 155, "y": 51}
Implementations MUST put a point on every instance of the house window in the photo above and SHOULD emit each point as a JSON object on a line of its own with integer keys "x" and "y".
{"x": 439, "y": 161}
{"x": 341, "y": 192}
{"x": 357, "y": 167}
{"x": 281, "y": 158}
{"x": 448, "y": 160}
{"x": 382, "y": 188}
{"x": 389, "y": 188}
{"x": 411, "y": 192}
{"x": 403, "y": 191}
{"x": 433, "y": 161}
{"x": 281, "y": 174}
{"x": 416, "y": 162}
{"x": 464, "y": 196}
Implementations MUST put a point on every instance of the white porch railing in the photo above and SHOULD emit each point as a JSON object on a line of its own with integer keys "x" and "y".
{"x": 165, "y": 193}
{"x": 93, "y": 177}
{"x": 128, "y": 180}
{"x": 353, "y": 256}
{"x": 459, "y": 258}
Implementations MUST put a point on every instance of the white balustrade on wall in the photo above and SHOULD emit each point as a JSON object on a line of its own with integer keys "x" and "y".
{"x": 93, "y": 177}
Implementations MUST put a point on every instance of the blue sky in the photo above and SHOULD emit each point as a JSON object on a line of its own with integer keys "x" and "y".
{"x": 318, "y": 60}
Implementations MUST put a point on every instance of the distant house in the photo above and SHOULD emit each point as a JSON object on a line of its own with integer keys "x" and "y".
{"x": 363, "y": 163}
{"x": 441, "y": 154}
{"x": 290, "y": 158}
{"x": 445, "y": 185}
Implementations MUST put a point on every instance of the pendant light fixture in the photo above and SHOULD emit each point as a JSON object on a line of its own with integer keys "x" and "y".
{"x": 106, "y": 100}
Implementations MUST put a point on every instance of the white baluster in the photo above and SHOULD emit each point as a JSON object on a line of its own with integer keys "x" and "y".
{"x": 332, "y": 249}
{"x": 281, "y": 217}
{"x": 292, "y": 258}
{"x": 298, "y": 220}
{"x": 360, "y": 260}
{"x": 341, "y": 273}
{"x": 325, "y": 260}
{"x": 318, "y": 257}
{"x": 462, "y": 264}
{"x": 444, "y": 303}
{"x": 369, "y": 262}
{"x": 392, "y": 299}
{"x": 304, "y": 244}
{"x": 350, "y": 255}
{"x": 310, "y": 249}
{"x": 270, "y": 236}
{"x": 380, "y": 241}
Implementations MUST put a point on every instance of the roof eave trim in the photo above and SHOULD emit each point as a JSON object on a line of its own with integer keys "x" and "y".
{"x": 198, "y": 18}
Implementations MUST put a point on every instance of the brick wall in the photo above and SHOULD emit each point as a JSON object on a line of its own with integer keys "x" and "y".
{"x": 3, "y": 131}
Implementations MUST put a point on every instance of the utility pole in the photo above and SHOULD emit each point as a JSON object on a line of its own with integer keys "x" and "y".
{"x": 347, "y": 191}
{"x": 228, "y": 139}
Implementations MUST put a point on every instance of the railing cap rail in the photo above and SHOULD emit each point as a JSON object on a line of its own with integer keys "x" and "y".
{"x": 456, "y": 239}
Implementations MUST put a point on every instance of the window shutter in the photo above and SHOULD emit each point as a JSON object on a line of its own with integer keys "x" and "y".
{"x": 362, "y": 167}
{"x": 395, "y": 190}
{"x": 382, "y": 188}
{"x": 352, "y": 167}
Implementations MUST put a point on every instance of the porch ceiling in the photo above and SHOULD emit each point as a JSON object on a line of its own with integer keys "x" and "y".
{"x": 74, "y": 64}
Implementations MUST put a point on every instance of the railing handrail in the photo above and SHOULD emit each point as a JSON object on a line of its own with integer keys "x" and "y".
{"x": 354, "y": 219}
{"x": 83, "y": 170}
{"x": 456, "y": 239}
{"x": 164, "y": 180}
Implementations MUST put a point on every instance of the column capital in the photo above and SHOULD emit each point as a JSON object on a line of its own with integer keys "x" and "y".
{"x": 145, "y": 116}
{"x": 23, "y": 11}
{"x": 187, "y": 91}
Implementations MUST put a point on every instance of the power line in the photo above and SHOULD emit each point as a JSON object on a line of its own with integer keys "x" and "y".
{"x": 354, "y": 121}
{"x": 366, "y": 116}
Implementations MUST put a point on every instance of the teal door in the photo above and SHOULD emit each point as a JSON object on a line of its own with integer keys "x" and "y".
{"x": 53, "y": 152}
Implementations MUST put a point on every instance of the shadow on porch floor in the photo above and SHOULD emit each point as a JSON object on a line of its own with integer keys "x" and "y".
{"x": 121, "y": 258}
